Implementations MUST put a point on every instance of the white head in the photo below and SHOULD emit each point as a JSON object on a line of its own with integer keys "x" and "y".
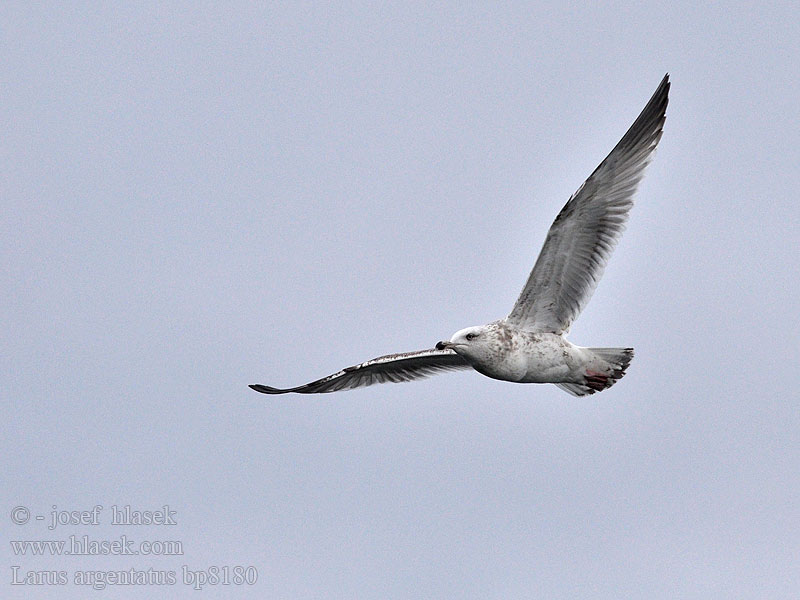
{"x": 473, "y": 342}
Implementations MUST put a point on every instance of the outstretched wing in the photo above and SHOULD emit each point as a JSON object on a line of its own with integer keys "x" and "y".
{"x": 586, "y": 230}
{"x": 392, "y": 368}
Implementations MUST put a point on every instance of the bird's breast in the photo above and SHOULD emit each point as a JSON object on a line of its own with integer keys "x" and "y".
{"x": 505, "y": 360}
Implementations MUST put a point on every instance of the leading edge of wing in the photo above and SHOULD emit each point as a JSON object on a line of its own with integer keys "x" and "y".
{"x": 391, "y": 368}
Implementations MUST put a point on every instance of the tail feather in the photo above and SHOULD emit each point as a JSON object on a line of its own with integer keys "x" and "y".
{"x": 616, "y": 362}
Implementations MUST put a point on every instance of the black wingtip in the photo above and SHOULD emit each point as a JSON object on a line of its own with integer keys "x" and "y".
{"x": 665, "y": 83}
{"x": 265, "y": 389}
{"x": 661, "y": 91}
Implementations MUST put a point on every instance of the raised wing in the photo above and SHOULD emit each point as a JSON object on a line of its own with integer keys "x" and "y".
{"x": 392, "y": 368}
{"x": 584, "y": 234}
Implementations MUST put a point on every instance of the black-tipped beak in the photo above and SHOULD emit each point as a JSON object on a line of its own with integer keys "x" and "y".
{"x": 442, "y": 345}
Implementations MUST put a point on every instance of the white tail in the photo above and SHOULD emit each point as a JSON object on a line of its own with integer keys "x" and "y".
{"x": 613, "y": 363}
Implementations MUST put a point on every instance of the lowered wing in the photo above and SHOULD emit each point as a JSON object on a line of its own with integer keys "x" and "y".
{"x": 392, "y": 368}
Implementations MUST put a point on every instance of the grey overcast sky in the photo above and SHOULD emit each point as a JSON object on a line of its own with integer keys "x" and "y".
{"x": 199, "y": 196}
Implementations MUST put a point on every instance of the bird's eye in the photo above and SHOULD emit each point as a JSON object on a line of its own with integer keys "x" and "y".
{"x": 471, "y": 336}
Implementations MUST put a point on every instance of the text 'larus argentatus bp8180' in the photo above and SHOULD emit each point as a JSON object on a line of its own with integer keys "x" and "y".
{"x": 530, "y": 345}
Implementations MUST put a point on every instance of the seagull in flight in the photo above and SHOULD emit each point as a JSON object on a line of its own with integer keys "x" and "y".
{"x": 530, "y": 345}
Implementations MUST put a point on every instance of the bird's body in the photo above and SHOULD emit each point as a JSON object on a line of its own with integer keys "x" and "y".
{"x": 513, "y": 354}
{"x": 502, "y": 351}
{"x": 530, "y": 345}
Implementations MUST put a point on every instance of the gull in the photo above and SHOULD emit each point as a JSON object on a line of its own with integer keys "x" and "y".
{"x": 530, "y": 345}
